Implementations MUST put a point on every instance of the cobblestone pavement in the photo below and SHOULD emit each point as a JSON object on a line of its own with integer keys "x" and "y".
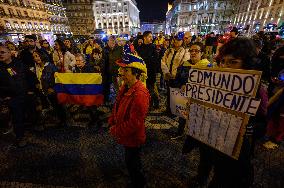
{"x": 81, "y": 156}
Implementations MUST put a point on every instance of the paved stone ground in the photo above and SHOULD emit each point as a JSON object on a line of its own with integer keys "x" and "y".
{"x": 81, "y": 156}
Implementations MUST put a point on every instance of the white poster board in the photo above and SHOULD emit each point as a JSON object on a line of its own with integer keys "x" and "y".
{"x": 221, "y": 101}
{"x": 178, "y": 103}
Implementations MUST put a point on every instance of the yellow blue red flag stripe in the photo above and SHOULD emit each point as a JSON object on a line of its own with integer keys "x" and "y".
{"x": 79, "y": 88}
{"x": 78, "y": 78}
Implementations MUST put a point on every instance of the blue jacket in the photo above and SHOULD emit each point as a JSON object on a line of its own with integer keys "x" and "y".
{"x": 47, "y": 77}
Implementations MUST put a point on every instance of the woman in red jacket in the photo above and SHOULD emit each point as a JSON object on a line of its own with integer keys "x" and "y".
{"x": 129, "y": 112}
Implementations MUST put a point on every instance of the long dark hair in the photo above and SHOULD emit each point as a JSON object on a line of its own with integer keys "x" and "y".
{"x": 97, "y": 51}
{"x": 61, "y": 45}
{"x": 43, "y": 56}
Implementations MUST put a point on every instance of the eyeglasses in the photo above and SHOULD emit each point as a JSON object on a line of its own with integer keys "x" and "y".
{"x": 229, "y": 62}
{"x": 27, "y": 40}
{"x": 195, "y": 51}
{"x": 79, "y": 60}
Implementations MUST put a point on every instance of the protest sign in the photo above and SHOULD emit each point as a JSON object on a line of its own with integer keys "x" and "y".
{"x": 178, "y": 102}
{"x": 221, "y": 101}
{"x": 225, "y": 89}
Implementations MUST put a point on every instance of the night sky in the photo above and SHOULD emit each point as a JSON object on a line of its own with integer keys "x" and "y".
{"x": 153, "y": 10}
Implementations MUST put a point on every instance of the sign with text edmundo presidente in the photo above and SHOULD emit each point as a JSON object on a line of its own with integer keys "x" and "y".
{"x": 221, "y": 102}
{"x": 226, "y": 88}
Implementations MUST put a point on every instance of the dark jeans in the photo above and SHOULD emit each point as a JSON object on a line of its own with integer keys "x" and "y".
{"x": 154, "y": 98}
{"x": 17, "y": 106}
{"x": 162, "y": 81}
{"x": 228, "y": 172}
{"x": 234, "y": 173}
{"x": 5, "y": 114}
{"x": 59, "y": 109}
{"x": 106, "y": 91}
{"x": 181, "y": 125}
{"x": 206, "y": 158}
{"x": 32, "y": 115}
{"x": 206, "y": 163}
{"x": 134, "y": 167}
{"x": 95, "y": 116}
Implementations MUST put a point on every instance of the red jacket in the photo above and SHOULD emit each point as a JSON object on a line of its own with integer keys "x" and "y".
{"x": 128, "y": 116}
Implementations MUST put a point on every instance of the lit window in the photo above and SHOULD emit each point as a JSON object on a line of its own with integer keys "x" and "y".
{"x": 8, "y": 25}
{"x": 16, "y": 25}
{"x": 30, "y": 26}
{"x": 36, "y": 26}
{"x": 23, "y": 25}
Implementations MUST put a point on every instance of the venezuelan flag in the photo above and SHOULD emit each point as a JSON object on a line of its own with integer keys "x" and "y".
{"x": 79, "y": 88}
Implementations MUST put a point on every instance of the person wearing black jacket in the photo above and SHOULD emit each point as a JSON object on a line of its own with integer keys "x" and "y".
{"x": 26, "y": 55}
{"x": 112, "y": 52}
{"x": 150, "y": 56}
{"x": 81, "y": 66}
{"x": 16, "y": 83}
{"x": 7, "y": 89}
{"x": 26, "y": 58}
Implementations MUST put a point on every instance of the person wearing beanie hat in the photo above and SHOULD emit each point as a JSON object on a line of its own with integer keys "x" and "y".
{"x": 129, "y": 59}
{"x": 129, "y": 112}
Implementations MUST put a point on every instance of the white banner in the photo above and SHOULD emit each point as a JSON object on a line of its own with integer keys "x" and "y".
{"x": 178, "y": 103}
{"x": 221, "y": 102}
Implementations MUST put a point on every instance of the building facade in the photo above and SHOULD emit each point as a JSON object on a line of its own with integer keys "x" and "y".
{"x": 154, "y": 27}
{"x": 57, "y": 16}
{"x": 116, "y": 16}
{"x": 200, "y": 16}
{"x": 18, "y": 18}
{"x": 257, "y": 15}
{"x": 80, "y": 16}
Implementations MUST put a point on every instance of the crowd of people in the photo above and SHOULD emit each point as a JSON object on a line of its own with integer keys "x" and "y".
{"x": 27, "y": 88}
